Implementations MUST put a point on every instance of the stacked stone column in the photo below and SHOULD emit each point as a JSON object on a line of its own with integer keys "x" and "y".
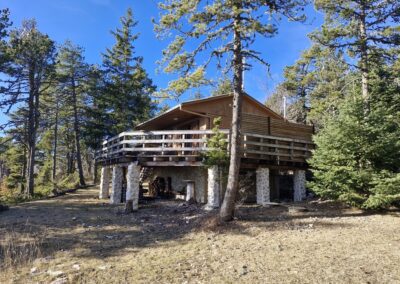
{"x": 116, "y": 185}
{"x": 263, "y": 187}
{"x": 190, "y": 192}
{"x": 132, "y": 186}
{"x": 104, "y": 183}
{"x": 213, "y": 188}
{"x": 299, "y": 185}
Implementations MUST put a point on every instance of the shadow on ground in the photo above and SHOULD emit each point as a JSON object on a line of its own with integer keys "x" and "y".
{"x": 96, "y": 229}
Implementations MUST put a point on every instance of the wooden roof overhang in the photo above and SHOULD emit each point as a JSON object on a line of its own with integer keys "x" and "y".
{"x": 170, "y": 118}
{"x": 184, "y": 112}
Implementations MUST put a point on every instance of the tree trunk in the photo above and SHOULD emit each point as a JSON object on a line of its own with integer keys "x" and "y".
{"x": 77, "y": 137}
{"x": 228, "y": 205}
{"x": 95, "y": 174}
{"x": 55, "y": 147}
{"x": 364, "y": 59}
{"x": 32, "y": 118}
{"x": 23, "y": 173}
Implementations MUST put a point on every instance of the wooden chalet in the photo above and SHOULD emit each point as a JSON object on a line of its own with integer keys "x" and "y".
{"x": 169, "y": 148}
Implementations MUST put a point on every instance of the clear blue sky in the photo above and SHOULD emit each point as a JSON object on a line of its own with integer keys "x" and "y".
{"x": 88, "y": 23}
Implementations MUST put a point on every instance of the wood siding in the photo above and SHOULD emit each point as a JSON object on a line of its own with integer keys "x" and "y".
{"x": 270, "y": 126}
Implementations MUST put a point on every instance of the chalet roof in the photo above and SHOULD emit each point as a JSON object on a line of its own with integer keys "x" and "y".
{"x": 187, "y": 115}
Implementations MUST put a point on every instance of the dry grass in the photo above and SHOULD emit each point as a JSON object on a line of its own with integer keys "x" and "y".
{"x": 83, "y": 240}
{"x": 19, "y": 248}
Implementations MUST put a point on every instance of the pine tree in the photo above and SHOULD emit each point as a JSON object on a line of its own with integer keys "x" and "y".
{"x": 32, "y": 60}
{"x": 316, "y": 84}
{"x": 128, "y": 89}
{"x": 357, "y": 158}
{"x": 4, "y": 30}
{"x": 219, "y": 30}
{"x": 363, "y": 28}
{"x": 296, "y": 110}
{"x": 223, "y": 87}
{"x": 94, "y": 127}
{"x": 73, "y": 72}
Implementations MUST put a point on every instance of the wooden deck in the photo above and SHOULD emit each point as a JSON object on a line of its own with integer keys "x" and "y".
{"x": 185, "y": 148}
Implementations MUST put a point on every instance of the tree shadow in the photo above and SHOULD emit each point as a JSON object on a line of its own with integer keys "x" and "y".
{"x": 79, "y": 221}
{"x": 97, "y": 230}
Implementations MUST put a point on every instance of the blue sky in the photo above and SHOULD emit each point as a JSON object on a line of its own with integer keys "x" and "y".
{"x": 88, "y": 23}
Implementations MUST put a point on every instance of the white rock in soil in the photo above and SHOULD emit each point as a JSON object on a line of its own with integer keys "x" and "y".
{"x": 76, "y": 266}
{"x": 55, "y": 273}
{"x": 59, "y": 281}
{"x": 34, "y": 270}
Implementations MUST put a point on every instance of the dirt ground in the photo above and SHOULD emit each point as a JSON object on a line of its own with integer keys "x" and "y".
{"x": 84, "y": 240}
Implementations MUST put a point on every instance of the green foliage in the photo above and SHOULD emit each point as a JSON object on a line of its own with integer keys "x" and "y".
{"x": 126, "y": 97}
{"x": 357, "y": 156}
{"x": 295, "y": 110}
{"x": 4, "y": 25}
{"x": 14, "y": 158}
{"x": 344, "y": 20}
{"x": 218, "y": 155}
{"x": 315, "y": 85}
{"x": 202, "y": 35}
{"x": 224, "y": 87}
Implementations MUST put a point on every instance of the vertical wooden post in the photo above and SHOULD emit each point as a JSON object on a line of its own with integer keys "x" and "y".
{"x": 183, "y": 143}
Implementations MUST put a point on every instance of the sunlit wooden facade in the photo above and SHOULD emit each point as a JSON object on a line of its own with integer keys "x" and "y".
{"x": 179, "y": 136}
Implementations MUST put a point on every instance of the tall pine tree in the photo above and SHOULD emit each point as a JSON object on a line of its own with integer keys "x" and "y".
{"x": 363, "y": 28}
{"x": 128, "y": 89}
{"x": 32, "y": 57}
{"x": 73, "y": 72}
{"x": 215, "y": 32}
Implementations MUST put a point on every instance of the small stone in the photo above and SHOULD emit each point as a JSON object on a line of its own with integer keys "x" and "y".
{"x": 74, "y": 218}
{"x": 59, "y": 281}
{"x": 57, "y": 273}
{"x": 34, "y": 270}
{"x": 76, "y": 266}
{"x": 103, "y": 267}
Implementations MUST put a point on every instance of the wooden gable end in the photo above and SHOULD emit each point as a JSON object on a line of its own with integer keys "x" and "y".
{"x": 222, "y": 107}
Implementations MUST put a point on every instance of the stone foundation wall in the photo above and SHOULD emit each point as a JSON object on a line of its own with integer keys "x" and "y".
{"x": 180, "y": 174}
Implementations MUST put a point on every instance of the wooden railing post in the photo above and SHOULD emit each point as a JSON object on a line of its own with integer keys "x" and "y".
{"x": 163, "y": 144}
{"x": 185, "y": 142}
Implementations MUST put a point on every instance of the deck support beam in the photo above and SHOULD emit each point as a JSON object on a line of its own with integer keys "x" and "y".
{"x": 132, "y": 188}
{"x": 104, "y": 183}
{"x": 117, "y": 176}
{"x": 263, "y": 186}
{"x": 299, "y": 185}
{"x": 213, "y": 188}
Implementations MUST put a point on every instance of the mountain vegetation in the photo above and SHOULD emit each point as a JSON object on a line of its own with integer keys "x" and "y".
{"x": 60, "y": 107}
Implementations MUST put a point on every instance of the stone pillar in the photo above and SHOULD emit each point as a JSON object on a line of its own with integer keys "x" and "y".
{"x": 132, "y": 186}
{"x": 299, "y": 185}
{"x": 104, "y": 183}
{"x": 116, "y": 185}
{"x": 190, "y": 190}
{"x": 213, "y": 190}
{"x": 263, "y": 189}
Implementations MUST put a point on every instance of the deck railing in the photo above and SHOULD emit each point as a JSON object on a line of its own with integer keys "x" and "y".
{"x": 192, "y": 143}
